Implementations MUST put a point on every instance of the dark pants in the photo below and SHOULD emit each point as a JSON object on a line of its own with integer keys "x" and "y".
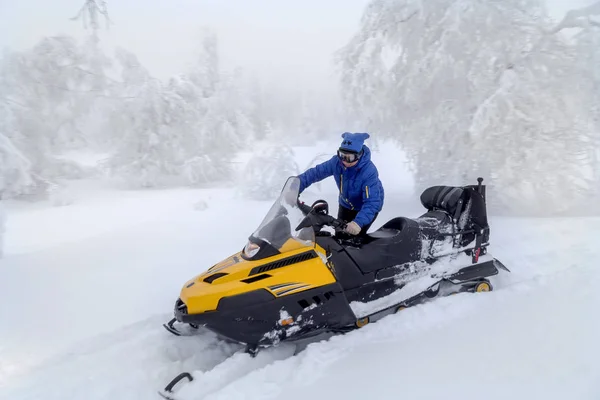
{"x": 348, "y": 215}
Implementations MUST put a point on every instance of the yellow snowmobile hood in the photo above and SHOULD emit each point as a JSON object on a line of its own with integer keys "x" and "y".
{"x": 283, "y": 274}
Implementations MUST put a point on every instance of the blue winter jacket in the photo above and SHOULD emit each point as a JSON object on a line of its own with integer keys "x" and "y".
{"x": 359, "y": 186}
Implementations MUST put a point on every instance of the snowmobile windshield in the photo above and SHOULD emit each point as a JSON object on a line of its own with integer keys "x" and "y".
{"x": 277, "y": 232}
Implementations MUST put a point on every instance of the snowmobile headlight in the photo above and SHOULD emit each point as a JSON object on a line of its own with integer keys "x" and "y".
{"x": 251, "y": 249}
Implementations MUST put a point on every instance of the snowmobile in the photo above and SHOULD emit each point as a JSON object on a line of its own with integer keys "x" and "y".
{"x": 299, "y": 275}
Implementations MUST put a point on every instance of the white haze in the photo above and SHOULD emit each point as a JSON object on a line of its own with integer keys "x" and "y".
{"x": 119, "y": 183}
{"x": 289, "y": 42}
{"x": 194, "y": 84}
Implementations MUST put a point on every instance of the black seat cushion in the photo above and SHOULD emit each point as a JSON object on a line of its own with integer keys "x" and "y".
{"x": 383, "y": 233}
{"x": 398, "y": 223}
{"x": 391, "y": 228}
{"x": 445, "y": 198}
{"x": 397, "y": 242}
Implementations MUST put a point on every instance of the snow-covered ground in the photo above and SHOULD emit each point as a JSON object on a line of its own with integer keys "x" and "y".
{"x": 84, "y": 290}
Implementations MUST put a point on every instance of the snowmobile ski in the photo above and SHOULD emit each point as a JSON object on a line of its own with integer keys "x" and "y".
{"x": 166, "y": 393}
{"x": 170, "y": 328}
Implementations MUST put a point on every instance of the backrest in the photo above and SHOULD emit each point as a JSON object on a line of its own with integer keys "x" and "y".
{"x": 465, "y": 204}
{"x": 445, "y": 198}
{"x": 476, "y": 207}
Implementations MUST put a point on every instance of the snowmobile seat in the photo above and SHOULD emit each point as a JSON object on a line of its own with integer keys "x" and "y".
{"x": 391, "y": 228}
{"x": 383, "y": 233}
{"x": 395, "y": 243}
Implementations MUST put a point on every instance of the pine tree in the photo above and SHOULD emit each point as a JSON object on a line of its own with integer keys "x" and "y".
{"x": 265, "y": 173}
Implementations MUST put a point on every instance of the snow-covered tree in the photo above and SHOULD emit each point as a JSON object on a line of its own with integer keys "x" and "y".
{"x": 226, "y": 124}
{"x": 258, "y": 110}
{"x": 579, "y": 18}
{"x": 205, "y": 73}
{"x": 2, "y": 226}
{"x": 90, "y": 14}
{"x": 47, "y": 93}
{"x": 265, "y": 173}
{"x": 473, "y": 89}
{"x": 184, "y": 132}
{"x": 15, "y": 170}
{"x": 586, "y": 21}
{"x": 141, "y": 157}
{"x": 157, "y": 127}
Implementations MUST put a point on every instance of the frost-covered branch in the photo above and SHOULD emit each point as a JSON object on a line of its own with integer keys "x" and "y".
{"x": 15, "y": 169}
{"x": 92, "y": 9}
{"x": 15, "y": 102}
{"x": 477, "y": 88}
{"x": 579, "y": 18}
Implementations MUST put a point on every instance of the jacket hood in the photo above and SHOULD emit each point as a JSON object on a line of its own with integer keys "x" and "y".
{"x": 364, "y": 160}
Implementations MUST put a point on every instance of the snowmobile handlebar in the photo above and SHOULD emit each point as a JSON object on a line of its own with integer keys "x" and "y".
{"x": 318, "y": 216}
{"x": 303, "y": 207}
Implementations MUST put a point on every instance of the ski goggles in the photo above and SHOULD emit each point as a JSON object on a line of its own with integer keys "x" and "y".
{"x": 347, "y": 156}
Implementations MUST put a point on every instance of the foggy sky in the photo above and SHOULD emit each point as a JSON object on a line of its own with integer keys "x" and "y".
{"x": 273, "y": 38}
{"x": 279, "y": 40}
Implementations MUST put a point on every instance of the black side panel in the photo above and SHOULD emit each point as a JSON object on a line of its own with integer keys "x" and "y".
{"x": 392, "y": 272}
{"x": 372, "y": 291}
{"x": 347, "y": 272}
{"x": 329, "y": 243}
{"x": 313, "y": 311}
{"x": 244, "y": 299}
{"x": 345, "y": 269}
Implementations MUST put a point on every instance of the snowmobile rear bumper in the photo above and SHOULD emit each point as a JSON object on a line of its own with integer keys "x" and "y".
{"x": 260, "y": 318}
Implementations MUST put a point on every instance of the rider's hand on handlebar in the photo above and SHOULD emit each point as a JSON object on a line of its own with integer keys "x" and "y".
{"x": 352, "y": 228}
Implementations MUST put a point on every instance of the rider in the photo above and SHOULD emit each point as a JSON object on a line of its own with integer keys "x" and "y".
{"x": 361, "y": 192}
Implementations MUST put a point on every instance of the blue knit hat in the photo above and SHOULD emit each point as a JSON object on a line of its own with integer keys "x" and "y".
{"x": 353, "y": 141}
